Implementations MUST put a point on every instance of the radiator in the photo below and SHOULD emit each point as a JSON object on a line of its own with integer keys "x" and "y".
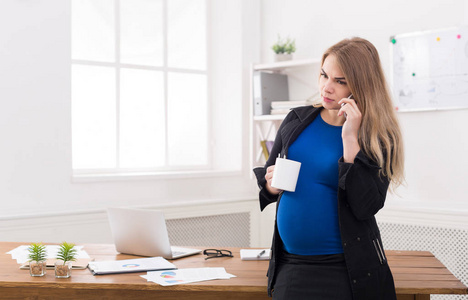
{"x": 224, "y": 230}
{"x": 449, "y": 245}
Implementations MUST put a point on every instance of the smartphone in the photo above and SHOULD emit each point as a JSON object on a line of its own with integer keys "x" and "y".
{"x": 343, "y": 104}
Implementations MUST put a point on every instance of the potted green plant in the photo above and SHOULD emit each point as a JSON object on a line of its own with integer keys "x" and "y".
{"x": 37, "y": 259}
{"x": 65, "y": 255}
{"x": 284, "y": 49}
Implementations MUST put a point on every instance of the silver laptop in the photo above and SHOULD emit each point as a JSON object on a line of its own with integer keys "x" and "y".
{"x": 143, "y": 232}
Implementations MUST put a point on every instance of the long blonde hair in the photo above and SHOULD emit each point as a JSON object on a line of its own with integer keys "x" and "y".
{"x": 379, "y": 136}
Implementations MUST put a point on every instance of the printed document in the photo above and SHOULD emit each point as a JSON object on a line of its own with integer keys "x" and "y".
{"x": 182, "y": 276}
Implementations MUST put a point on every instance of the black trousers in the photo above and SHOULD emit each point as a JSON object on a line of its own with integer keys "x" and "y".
{"x": 317, "y": 277}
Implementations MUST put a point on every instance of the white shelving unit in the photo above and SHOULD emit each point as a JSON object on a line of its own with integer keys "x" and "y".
{"x": 282, "y": 65}
{"x": 301, "y": 74}
{"x": 269, "y": 117}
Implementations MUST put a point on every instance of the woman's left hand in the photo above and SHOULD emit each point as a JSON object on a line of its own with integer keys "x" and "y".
{"x": 353, "y": 118}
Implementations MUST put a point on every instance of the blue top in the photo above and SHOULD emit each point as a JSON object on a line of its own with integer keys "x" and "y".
{"x": 308, "y": 218}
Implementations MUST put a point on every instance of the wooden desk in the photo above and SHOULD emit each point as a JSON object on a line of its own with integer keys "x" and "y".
{"x": 417, "y": 275}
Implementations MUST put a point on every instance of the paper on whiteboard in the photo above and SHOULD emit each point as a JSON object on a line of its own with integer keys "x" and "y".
{"x": 430, "y": 69}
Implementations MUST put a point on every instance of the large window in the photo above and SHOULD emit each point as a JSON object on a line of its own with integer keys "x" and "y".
{"x": 139, "y": 85}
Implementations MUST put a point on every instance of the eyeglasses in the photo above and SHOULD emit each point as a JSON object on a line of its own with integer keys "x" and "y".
{"x": 212, "y": 253}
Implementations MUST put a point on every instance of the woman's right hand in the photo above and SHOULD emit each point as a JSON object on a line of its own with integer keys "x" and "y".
{"x": 269, "y": 178}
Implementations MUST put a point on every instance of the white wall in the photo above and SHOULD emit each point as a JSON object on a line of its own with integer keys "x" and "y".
{"x": 35, "y": 156}
{"x": 435, "y": 142}
{"x": 35, "y": 153}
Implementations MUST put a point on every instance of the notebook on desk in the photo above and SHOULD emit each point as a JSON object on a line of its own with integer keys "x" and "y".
{"x": 143, "y": 232}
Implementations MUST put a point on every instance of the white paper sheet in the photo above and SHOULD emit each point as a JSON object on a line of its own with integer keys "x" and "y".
{"x": 21, "y": 253}
{"x": 182, "y": 276}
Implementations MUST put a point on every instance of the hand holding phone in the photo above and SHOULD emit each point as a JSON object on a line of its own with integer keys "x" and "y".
{"x": 343, "y": 104}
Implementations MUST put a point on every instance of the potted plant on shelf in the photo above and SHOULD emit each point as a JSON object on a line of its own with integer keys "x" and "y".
{"x": 65, "y": 255}
{"x": 284, "y": 49}
{"x": 37, "y": 259}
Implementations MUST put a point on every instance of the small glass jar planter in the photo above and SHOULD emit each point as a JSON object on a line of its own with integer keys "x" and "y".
{"x": 37, "y": 268}
{"x": 44, "y": 263}
{"x": 63, "y": 270}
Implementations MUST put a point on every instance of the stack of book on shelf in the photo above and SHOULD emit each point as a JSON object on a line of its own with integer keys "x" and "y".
{"x": 266, "y": 148}
{"x": 283, "y": 107}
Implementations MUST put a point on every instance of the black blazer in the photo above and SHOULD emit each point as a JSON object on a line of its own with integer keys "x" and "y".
{"x": 361, "y": 194}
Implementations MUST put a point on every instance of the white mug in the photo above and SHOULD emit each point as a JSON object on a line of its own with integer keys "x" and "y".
{"x": 285, "y": 174}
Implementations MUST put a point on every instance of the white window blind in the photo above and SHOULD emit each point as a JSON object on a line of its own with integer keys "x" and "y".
{"x": 139, "y": 86}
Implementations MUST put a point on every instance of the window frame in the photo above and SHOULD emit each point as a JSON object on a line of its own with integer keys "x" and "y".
{"x": 91, "y": 174}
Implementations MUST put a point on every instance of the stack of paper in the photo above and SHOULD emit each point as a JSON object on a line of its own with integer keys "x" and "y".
{"x": 130, "y": 265}
{"x": 183, "y": 276}
{"x": 21, "y": 254}
{"x": 283, "y": 107}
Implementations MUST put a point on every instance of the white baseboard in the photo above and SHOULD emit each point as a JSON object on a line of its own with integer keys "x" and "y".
{"x": 91, "y": 227}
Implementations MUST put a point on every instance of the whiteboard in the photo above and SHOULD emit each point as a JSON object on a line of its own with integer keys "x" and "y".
{"x": 430, "y": 69}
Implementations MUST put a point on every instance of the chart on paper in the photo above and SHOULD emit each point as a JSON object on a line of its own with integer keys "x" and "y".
{"x": 430, "y": 69}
